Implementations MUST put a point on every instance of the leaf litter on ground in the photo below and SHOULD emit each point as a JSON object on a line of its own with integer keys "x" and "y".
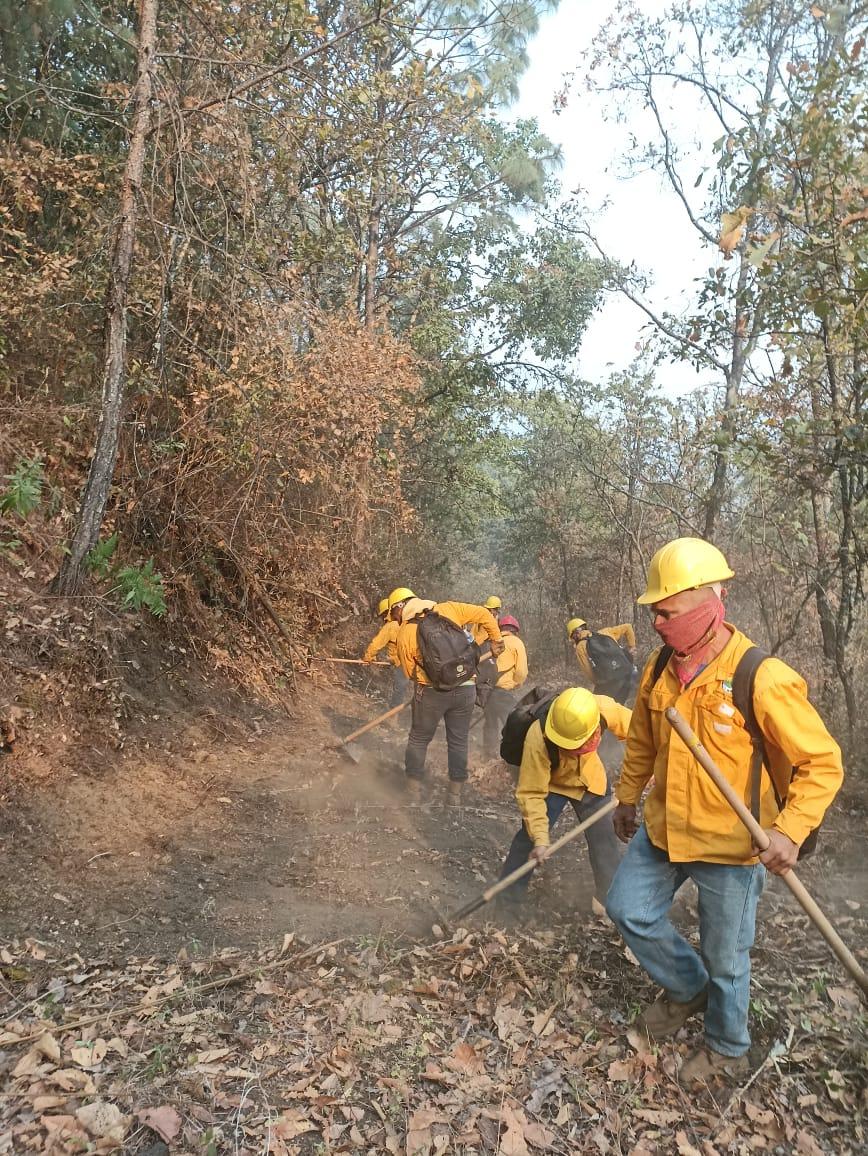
{"x": 514, "y": 1043}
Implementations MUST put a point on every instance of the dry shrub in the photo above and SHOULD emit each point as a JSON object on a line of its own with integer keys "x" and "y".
{"x": 262, "y": 484}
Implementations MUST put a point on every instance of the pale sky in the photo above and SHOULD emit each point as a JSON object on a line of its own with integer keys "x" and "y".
{"x": 643, "y": 221}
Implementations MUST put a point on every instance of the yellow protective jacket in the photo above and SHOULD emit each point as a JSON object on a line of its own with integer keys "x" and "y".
{"x": 386, "y": 636}
{"x": 685, "y": 814}
{"x": 572, "y": 777}
{"x": 512, "y": 664}
{"x": 461, "y": 613}
{"x": 621, "y": 634}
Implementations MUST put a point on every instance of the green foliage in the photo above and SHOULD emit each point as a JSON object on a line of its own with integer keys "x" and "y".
{"x": 141, "y": 588}
{"x": 24, "y": 492}
{"x": 99, "y": 560}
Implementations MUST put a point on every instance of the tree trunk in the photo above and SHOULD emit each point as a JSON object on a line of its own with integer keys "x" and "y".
{"x": 96, "y": 490}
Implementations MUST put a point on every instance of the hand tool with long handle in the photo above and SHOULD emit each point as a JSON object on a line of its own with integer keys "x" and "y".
{"x": 526, "y": 868}
{"x": 350, "y": 661}
{"x": 761, "y": 840}
{"x": 343, "y": 744}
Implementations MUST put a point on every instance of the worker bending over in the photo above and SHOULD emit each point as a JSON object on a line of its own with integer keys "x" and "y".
{"x": 607, "y": 658}
{"x": 560, "y": 765}
{"x": 441, "y": 658}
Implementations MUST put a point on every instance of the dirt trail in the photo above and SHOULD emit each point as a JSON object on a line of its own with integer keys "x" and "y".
{"x": 242, "y": 843}
{"x": 239, "y": 843}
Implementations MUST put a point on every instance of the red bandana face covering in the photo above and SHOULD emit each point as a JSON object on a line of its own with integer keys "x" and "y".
{"x": 690, "y": 633}
{"x": 590, "y": 746}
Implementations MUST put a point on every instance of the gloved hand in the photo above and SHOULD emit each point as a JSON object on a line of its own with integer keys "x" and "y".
{"x": 624, "y": 822}
{"x": 540, "y": 854}
{"x": 497, "y": 648}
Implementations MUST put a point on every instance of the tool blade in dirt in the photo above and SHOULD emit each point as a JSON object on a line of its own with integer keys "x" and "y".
{"x": 525, "y": 869}
{"x": 355, "y": 754}
{"x": 821, "y": 921}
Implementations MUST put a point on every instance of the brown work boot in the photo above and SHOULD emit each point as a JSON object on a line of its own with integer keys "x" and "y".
{"x": 704, "y": 1064}
{"x": 415, "y": 792}
{"x": 454, "y": 794}
{"x": 664, "y": 1016}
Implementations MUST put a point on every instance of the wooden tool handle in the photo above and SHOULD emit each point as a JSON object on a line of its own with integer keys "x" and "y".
{"x": 374, "y": 723}
{"x": 531, "y": 865}
{"x": 682, "y": 728}
{"x": 350, "y": 661}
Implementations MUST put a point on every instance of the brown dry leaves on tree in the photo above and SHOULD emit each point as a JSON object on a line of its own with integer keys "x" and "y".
{"x": 478, "y": 1043}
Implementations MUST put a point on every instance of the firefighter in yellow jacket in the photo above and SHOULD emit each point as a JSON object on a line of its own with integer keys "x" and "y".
{"x": 689, "y": 830}
{"x": 560, "y": 765}
{"x": 387, "y": 638}
{"x": 511, "y": 674}
{"x": 430, "y": 705}
{"x": 607, "y": 670}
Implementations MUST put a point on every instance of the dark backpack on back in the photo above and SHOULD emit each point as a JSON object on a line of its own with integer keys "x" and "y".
{"x": 532, "y": 708}
{"x": 609, "y": 661}
{"x": 743, "y": 681}
{"x": 449, "y": 657}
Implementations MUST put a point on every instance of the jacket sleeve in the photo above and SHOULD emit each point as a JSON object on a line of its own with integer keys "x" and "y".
{"x": 640, "y": 753}
{"x": 617, "y": 716}
{"x": 533, "y": 786}
{"x": 381, "y": 639}
{"x": 407, "y": 652}
{"x": 790, "y": 722}
{"x": 622, "y": 634}
{"x": 466, "y": 614}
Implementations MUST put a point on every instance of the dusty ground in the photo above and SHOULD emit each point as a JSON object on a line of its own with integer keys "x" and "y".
{"x": 130, "y": 880}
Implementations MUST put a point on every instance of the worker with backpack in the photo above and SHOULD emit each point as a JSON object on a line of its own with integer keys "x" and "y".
{"x": 441, "y": 658}
{"x": 555, "y": 740}
{"x": 607, "y": 658}
{"x": 752, "y": 714}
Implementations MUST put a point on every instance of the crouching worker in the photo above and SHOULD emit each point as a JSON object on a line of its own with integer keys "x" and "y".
{"x": 560, "y": 765}
{"x": 790, "y": 770}
{"x": 441, "y": 658}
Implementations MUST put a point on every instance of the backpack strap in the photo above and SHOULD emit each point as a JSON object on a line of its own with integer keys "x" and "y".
{"x": 661, "y": 662}
{"x": 743, "y": 681}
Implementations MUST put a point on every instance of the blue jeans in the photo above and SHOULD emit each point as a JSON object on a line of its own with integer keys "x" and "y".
{"x": 638, "y": 903}
{"x": 604, "y": 850}
{"x": 400, "y": 687}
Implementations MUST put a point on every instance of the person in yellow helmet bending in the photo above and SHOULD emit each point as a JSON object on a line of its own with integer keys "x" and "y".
{"x": 495, "y": 607}
{"x": 718, "y": 680}
{"x": 387, "y": 638}
{"x": 439, "y": 655}
{"x": 606, "y": 657}
{"x": 560, "y": 766}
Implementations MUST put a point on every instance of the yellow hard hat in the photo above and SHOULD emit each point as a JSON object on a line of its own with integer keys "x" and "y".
{"x": 400, "y": 594}
{"x": 574, "y": 624}
{"x": 493, "y": 603}
{"x": 383, "y": 606}
{"x": 683, "y": 564}
{"x": 572, "y": 719}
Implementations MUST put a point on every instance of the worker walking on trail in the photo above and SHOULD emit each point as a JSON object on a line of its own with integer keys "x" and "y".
{"x": 752, "y": 714}
{"x": 561, "y": 765}
{"x": 511, "y": 674}
{"x": 441, "y": 658}
{"x": 387, "y": 638}
{"x": 607, "y": 658}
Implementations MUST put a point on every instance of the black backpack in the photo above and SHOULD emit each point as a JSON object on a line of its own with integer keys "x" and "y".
{"x": 743, "y": 680}
{"x": 532, "y": 708}
{"x": 610, "y": 663}
{"x": 449, "y": 657}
